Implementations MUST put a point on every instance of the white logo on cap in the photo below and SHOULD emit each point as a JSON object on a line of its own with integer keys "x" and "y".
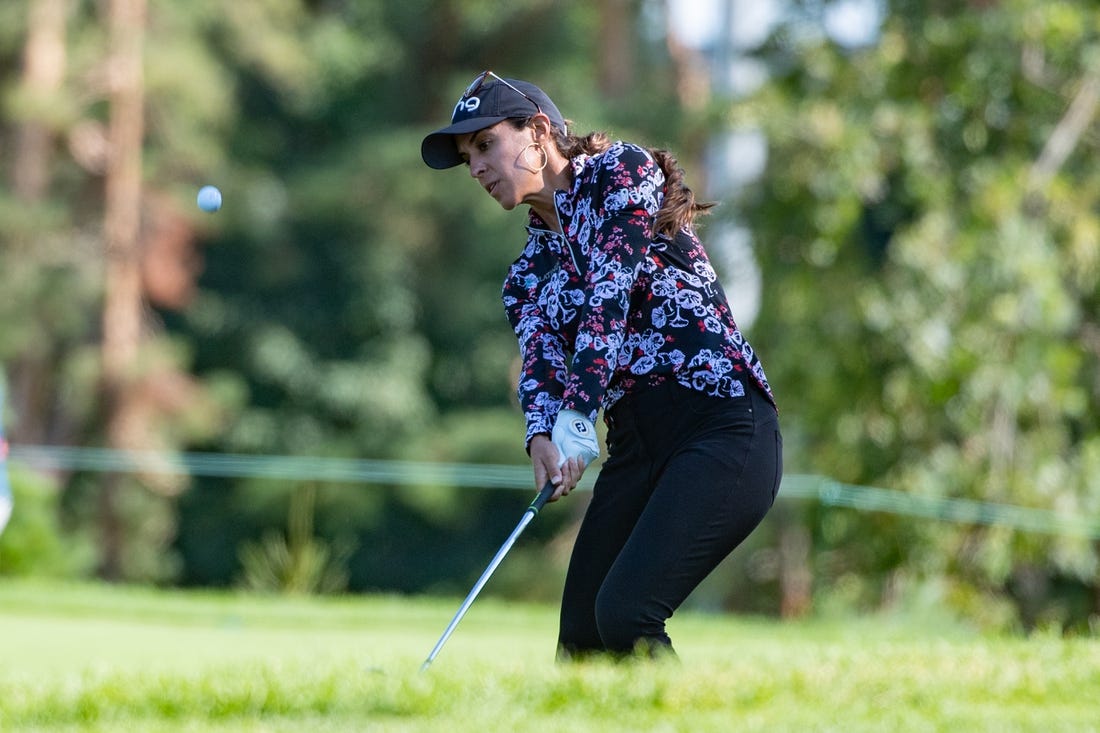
{"x": 468, "y": 105}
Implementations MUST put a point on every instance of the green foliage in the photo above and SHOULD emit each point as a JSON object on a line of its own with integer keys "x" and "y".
{"x": 146, "y": 522}
{"x": 931, "y": 278}
{"x": 34, "y": 543}
{"x": 296, "y": 562}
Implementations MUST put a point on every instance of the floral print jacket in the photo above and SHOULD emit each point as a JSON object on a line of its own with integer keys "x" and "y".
{"x": 610, "y": 308}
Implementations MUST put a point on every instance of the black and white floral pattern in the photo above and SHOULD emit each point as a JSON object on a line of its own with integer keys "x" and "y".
{"x": 610, "y": 307}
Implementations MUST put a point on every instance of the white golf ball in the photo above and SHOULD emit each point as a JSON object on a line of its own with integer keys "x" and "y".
{"x": 210, "y": 198}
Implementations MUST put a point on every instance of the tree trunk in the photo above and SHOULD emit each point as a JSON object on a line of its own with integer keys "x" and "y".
{"x": 43, "y": 74}
{"x": 122, "y": 309}
{"x": 44, "y": 59}
{"x": 693, "y": 85}
{"x": 616, "y": 62}
{"x": 795, "y": 575}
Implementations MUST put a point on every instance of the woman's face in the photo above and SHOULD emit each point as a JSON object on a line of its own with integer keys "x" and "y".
{"x": 500, "y": 160}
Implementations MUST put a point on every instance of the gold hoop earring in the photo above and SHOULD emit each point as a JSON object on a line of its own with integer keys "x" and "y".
{"x": 545, "y": 157}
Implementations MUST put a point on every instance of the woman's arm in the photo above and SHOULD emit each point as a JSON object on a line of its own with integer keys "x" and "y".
{"x": 622, "y": 204}
{"x": 542, "y": 351}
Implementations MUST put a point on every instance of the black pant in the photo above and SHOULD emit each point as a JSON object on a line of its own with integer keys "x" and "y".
{"x": 687, "y": 478}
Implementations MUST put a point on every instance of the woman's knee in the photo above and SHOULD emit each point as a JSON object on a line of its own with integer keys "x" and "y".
{"x": 625, "y": 625}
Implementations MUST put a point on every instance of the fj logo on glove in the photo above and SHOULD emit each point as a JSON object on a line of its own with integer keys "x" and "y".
{"x": 581, "y": 427}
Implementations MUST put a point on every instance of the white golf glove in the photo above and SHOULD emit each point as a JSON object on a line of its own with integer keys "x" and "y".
{"x": 575, "y": 437}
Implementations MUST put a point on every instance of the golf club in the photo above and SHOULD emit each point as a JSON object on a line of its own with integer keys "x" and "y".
{"x": 532, "y": 511}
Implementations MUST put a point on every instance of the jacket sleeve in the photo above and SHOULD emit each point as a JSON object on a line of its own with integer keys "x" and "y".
{"x": 628, "y": 191}
{"x": 542, "y": 350}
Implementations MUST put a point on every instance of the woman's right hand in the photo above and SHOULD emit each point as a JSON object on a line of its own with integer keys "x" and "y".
{"x": 544, "y": 459}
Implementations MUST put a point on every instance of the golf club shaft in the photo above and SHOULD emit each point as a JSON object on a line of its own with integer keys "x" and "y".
{"x": 532, "y": 511}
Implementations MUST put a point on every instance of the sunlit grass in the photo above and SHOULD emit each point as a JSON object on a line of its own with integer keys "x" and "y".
{"x": 104, "y": 659}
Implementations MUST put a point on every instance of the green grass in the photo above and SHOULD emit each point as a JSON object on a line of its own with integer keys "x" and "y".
{"x": 92, "y": 658}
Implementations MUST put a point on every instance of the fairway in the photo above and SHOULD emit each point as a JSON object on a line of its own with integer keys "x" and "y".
{"x": 93, "y": 658}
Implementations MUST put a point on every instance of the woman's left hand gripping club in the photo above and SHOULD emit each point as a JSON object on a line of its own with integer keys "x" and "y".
{"x": 572, "y": 447}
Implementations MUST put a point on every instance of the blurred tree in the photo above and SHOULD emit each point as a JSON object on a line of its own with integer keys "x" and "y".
{"x": 122, "y": 307}
{"x": 929, "y": 239}
{"x": 33, "y": 102}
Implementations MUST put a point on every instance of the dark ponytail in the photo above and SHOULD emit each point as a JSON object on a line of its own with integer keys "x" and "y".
{"x": 679, "y": 208}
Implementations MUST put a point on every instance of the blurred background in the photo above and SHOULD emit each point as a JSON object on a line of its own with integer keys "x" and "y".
{"x": 312, "y": 390}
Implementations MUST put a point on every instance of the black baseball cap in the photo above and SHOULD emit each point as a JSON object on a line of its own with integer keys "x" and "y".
{"x": 493, "y": 99}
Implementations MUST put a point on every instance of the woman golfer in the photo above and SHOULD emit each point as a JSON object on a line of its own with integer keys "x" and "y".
{"x": 616, "y": 307}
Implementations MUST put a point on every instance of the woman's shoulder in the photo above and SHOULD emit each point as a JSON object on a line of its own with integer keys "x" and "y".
{"x": 619, "y": 153}
{"x": 621, "y": 175}
{"x": 621, "y": 162}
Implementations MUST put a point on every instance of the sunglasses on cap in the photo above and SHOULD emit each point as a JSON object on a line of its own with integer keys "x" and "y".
{"x": 477, "y": 83}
